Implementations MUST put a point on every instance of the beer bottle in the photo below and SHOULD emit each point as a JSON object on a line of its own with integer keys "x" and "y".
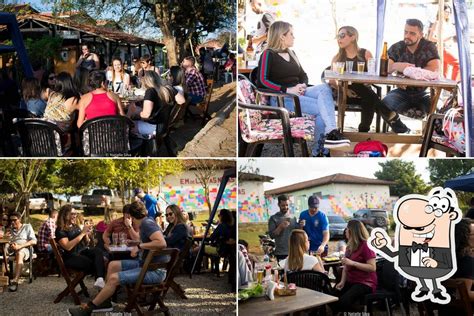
{"x": 249, "y": 52}
{"x": 384, "y": 61}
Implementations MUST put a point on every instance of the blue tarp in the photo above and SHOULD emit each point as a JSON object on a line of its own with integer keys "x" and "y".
{"x": 462, "y": 183}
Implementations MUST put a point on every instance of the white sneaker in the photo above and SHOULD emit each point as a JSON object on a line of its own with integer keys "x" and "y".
{"x": 99, "y": 283}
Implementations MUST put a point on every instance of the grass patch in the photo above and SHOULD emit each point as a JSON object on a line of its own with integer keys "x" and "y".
{"x": 249, "y": 232}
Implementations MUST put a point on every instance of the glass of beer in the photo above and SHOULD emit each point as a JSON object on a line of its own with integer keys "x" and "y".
{"x": 259, "y": 276}
{"x": 360, "y": 67}
{"x": 340, "y": 68}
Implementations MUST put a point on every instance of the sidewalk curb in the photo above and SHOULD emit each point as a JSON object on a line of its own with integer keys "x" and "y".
{"x": 218, "y": 119}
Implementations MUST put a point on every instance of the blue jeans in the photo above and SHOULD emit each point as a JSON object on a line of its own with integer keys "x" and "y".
{"x": 131, "y": 270}
{"x": 195, "y": 99}
{"x": 316, "y": 101}
{"x": 400, "y": 100}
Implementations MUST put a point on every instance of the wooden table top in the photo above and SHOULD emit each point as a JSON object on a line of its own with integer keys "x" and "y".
{"x": 392, "y": 80}
{"x": 303, "y": 300}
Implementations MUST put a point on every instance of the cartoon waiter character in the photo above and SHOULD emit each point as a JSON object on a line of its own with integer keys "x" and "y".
{"x": 424, "y": 242}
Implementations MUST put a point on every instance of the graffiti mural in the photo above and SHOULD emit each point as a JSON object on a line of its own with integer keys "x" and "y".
{"x": 252, "y": 208}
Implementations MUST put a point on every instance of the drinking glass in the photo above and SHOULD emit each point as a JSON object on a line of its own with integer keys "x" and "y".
{"x": 115, "y": 239}
{"x": 349, "y": 66}
{"x": 340, "y": 67}
{"x": 371, "y": 66}
{"x": 122, "y": 238}
{"x": 360, "y": 67}
{"x": 260, "y": 276}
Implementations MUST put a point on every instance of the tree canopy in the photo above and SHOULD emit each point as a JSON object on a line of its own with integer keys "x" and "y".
{"x": 403, "y": 173}
{"x": 179, "y": 21}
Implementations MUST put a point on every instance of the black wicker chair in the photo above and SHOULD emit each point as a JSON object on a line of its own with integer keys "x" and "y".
{"x": 312, "y": 280}
{"x": 39, "y": 138}
{"x": 106, "y": 136}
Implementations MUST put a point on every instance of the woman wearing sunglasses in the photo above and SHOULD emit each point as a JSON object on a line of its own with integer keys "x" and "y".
{"x": 177, "y": 231}
{"x": 349, "y": 50}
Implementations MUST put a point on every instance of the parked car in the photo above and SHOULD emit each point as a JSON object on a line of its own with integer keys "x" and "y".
{"x": 337, "y": 224}
{"x": 40, "y": 201}
{"x": 373, "y": 217}
{"x": 98, "y": 199}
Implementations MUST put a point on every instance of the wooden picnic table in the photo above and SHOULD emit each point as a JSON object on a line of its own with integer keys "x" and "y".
{"x": 343, "y": 81}
{"x": 303, "y": 300}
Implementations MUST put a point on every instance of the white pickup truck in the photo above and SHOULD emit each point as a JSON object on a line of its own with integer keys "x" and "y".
{"x": 42, "y": 201}
{"x": 98, "y": 199}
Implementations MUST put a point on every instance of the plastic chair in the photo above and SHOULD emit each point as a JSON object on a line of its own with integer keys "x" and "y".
{"x": 260, "y": 124}
{"x": 106, "y": 136}
{"x": 313, "y": 280}
{"x": 39, "y": 138}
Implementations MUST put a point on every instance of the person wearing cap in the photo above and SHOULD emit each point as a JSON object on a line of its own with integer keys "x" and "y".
{"x": 151, "y": 203}
{"x": 280, "y": 226}
{"x": 315, "y": 223}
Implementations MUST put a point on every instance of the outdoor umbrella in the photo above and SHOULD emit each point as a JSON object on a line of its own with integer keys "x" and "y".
{"x": 462, "y": 183}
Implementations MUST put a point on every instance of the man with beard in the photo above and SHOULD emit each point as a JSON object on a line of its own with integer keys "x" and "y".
{"x": 414, "y": 51}
{"x": 280, "y": 226}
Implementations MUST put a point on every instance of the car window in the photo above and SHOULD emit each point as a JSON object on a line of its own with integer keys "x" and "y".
{"x": 379, "y": 213}
{"x": 336, "y": 220}
{"x": 101, "y": 192}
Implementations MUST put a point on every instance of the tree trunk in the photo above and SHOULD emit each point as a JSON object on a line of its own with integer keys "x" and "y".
{"x": 164, "y": 21}
{"x": 208, "y": 200}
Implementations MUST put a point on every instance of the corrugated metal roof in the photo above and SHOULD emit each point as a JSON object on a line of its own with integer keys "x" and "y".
{"x": 335, "y": 178}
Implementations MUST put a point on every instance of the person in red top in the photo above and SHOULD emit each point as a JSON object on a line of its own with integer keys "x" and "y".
{"x": 358, "y": 276}
{"x": 98, "y": 102}
{"x": 123, "y": 224}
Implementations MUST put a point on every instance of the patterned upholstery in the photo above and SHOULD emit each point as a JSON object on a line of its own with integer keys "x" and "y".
{"x": 443, "y": 140}
{"x": 255, "y": 127}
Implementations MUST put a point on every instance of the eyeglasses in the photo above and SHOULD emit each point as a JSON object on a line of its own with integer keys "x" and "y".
{"x": 341, "y": 35}
{"x": 52, "y": 77}
{"x": 169, "y": 214}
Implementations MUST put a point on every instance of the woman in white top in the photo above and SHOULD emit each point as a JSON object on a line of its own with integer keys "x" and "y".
{"x": 298, "y": 259}
{"x": 120, "y": 79}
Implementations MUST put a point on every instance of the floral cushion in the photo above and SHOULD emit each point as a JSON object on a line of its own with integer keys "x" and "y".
{"x": 271, "y": 129}
{"x": 443, "y": 140}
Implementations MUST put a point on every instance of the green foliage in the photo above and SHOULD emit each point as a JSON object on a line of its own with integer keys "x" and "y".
{"x": 40, "y": 50}
{"x": 445, "y": 169}
{"x": 404, "y": 175}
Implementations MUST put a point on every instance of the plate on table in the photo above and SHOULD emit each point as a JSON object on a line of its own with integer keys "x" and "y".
{"x": 330, "y": 259}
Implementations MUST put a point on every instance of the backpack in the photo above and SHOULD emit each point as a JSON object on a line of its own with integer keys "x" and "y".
{"x": 371, "y": 146}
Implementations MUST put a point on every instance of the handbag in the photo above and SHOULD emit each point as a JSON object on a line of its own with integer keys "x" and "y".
{"x": 453, "y": 129}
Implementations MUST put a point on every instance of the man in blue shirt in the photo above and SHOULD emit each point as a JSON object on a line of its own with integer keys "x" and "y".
{"x": 150, "y": 203}
{"x": 316, "y": 225}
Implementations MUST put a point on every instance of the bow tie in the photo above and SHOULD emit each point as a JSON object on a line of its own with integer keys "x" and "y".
{"x": 416, "y": 246}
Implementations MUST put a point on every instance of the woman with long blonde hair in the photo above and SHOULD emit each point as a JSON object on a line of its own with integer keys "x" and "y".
{"x": 298, "y": 258}
{"x": 279, "y": 69}
{"x": 158, "y": 98}
{"x": 119, "y": 78}
{"x": 349, "y": 50}
{"x": 358, "y": 276}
